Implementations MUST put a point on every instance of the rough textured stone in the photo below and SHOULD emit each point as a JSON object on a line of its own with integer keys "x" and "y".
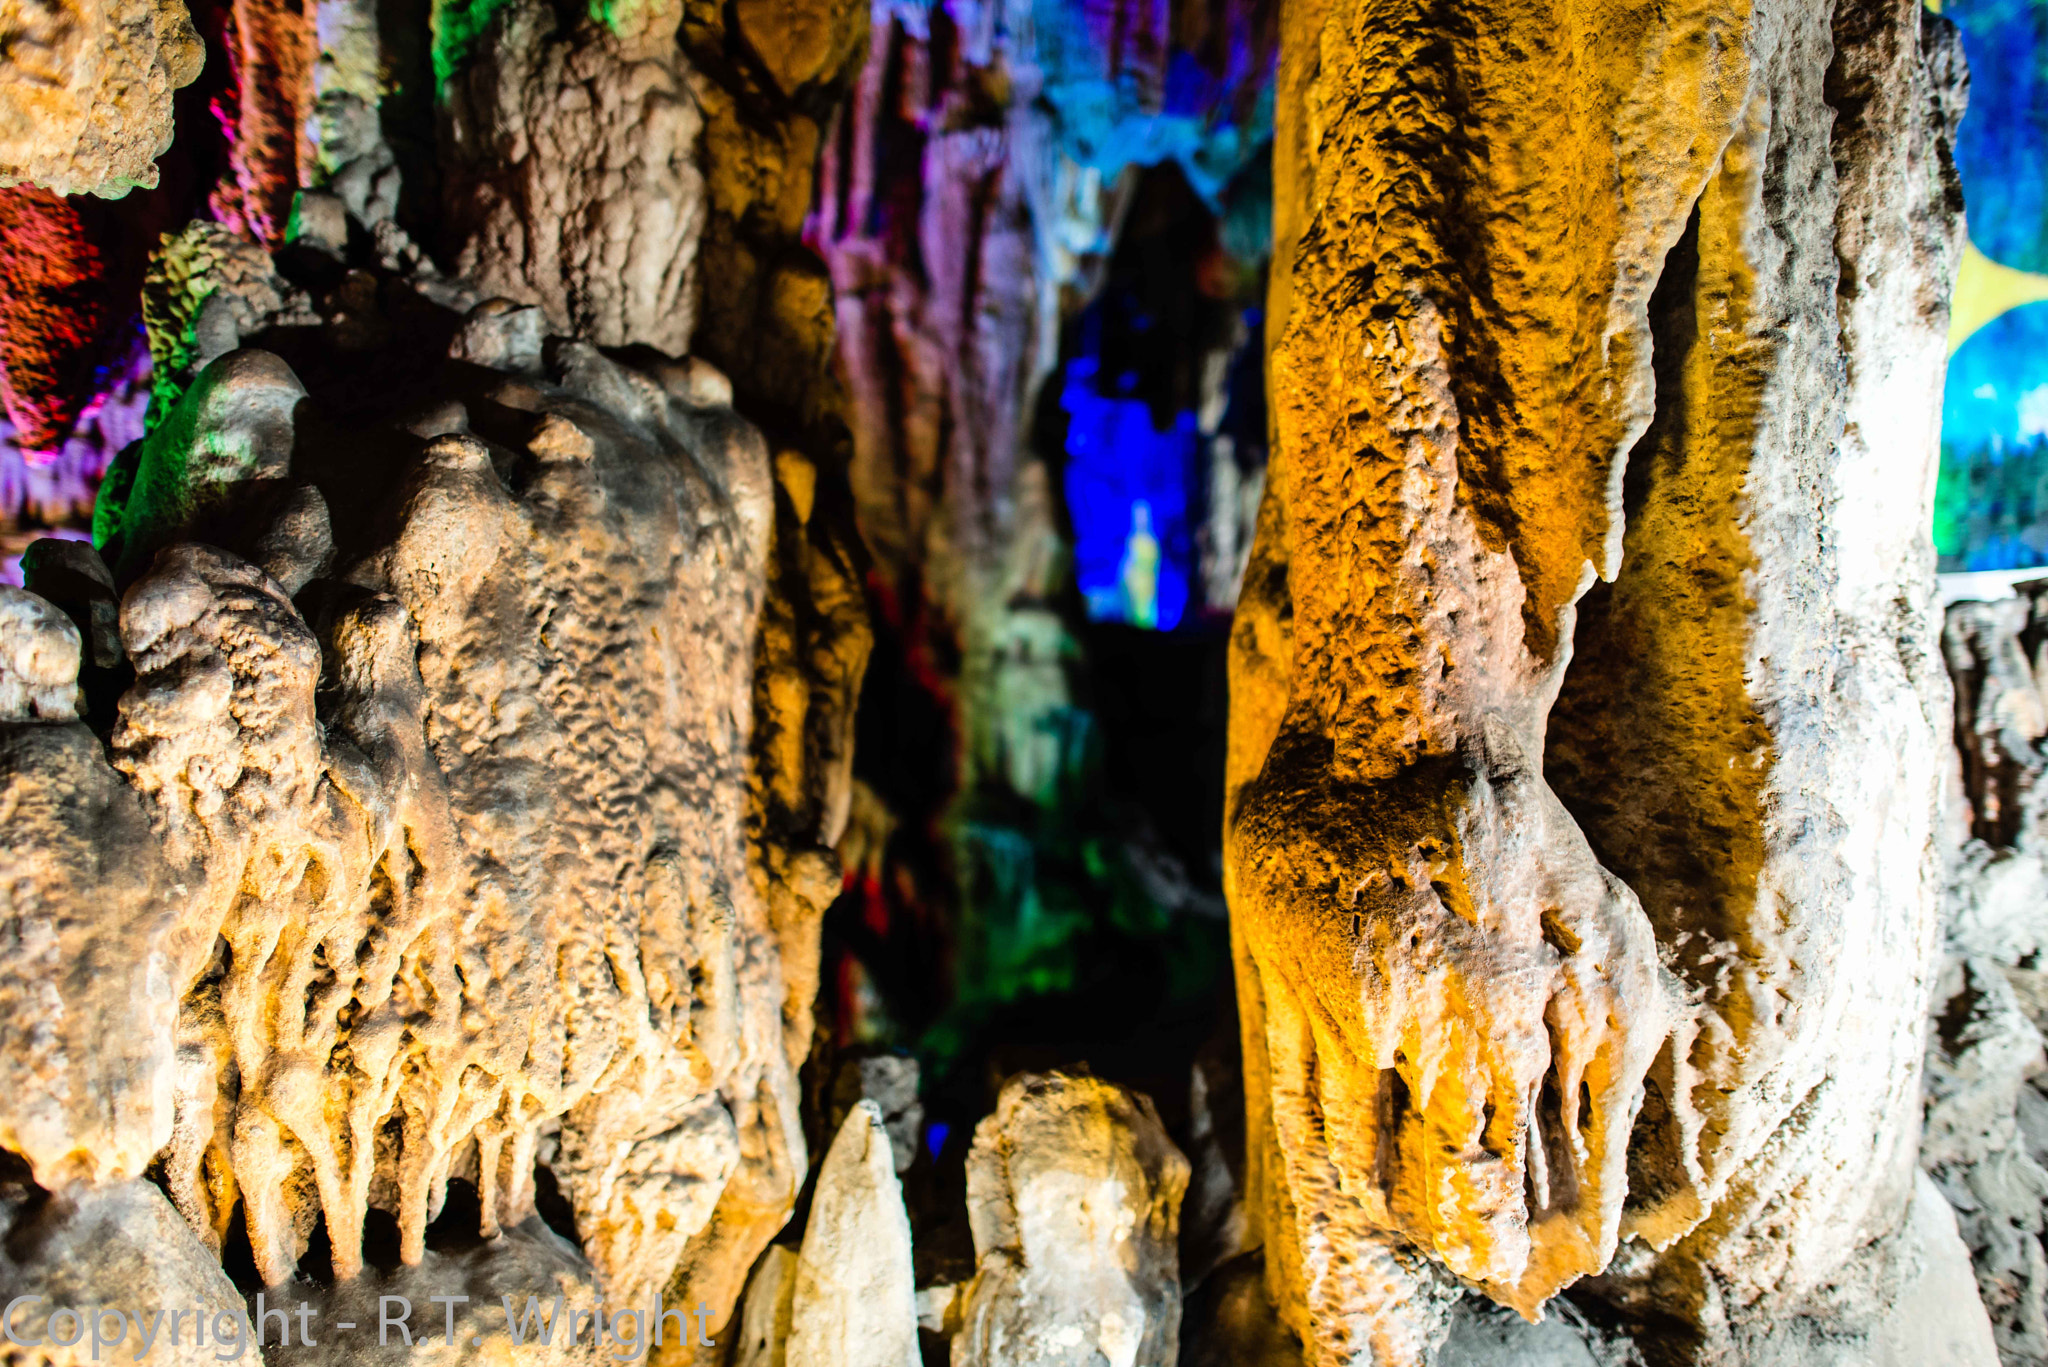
{"x": 1073, "y": 1192}
{"x": 573, "y": 182}
{"x": 854, "y": 1303}
{"x": 265, "y": 112}
{"x": 501, "y": 836}
{"x": 85, "y": 91}
{"x": 764, "y": 1321}
{"x": 1451, "y": 1007}
{"x": 205, "y": 291}
{"x": 233, "y": 429}
{"x": 470, "y": 842}
{"x": 1998, "y": 828}
{"x": 765, "y": 328}
{"x": 122, "y": 1247}
{"x": 57, "y": 310}
{"x": 528, "y": 1264}
{"x": 93, "y": 927}
{"x": 39, "y": 652}
{"x": 603, "y": 977}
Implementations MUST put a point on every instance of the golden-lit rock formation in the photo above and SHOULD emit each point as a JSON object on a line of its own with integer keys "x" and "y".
{"x": 1657, "y": 298}
{"x": 85, "y": 91}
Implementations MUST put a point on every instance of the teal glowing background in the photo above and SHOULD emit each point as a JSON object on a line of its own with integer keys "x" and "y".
{"x": 1991, "y": 507}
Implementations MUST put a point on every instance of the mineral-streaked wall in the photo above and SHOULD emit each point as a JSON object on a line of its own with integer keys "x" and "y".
{"x": 1657, "y": 298}
{"x": 445, "y": 867}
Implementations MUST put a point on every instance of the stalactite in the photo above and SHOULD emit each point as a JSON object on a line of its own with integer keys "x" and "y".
{"x": 1451, "y": 1008}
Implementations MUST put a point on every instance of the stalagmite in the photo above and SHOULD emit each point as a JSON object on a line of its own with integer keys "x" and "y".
{"x": 854, "y": 1302}
{"x": 1074, "y": 1192}
{"x": 1561, "y": 297}
{"x": 762, "y": 1330}
{"x": 422, "y": 802}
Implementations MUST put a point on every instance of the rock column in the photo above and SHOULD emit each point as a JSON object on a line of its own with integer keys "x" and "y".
{"x": 1631, "y": 983}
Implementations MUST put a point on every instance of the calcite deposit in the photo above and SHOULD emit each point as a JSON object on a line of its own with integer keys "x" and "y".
{"x": 85, "y": 91}
{"x": 58, "y": 315}
{"x": 573, "y": 181}
{"x": 853, "y": 1302}
{"x": 1074, "y": 1192}
{"x": 1490, "y": 1034}
{"x": 422, "y": 804}
{"x": 439, "y": 868}
{"x": 267, "y": 49}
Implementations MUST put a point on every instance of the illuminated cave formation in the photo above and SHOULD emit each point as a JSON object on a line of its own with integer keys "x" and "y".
{"x": 1046, "y": 683}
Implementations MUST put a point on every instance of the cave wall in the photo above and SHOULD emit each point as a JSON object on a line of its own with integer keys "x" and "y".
{"x": 505, "y": 427}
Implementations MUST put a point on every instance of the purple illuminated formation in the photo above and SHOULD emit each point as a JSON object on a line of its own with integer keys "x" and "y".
{"x": 49, "y": 492}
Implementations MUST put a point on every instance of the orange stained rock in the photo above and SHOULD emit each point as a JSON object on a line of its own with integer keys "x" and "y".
{"x": 1449, "y": 1004}
{"x": 1450, "y": 1007}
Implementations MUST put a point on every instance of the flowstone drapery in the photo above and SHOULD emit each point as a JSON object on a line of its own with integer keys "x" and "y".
{"x": 1657, "y": 299}
{"x": 441, "y": 868}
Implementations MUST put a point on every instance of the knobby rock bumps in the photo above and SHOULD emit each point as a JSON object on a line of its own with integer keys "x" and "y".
{"x": 85, "y": 91}
{"x": 416, "y": 849}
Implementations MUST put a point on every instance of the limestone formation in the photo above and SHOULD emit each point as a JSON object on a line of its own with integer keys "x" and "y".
{"x": 1073, "y": 1192}
{"x": 85, "y": 91}
{"x": 39, "y": 653}
{"x": 1982, "y": 1154}
{"x": 1479, "y": 1041}
{"x": 554, "y": 1299}
{"x": 265, "y": 108}
{"x": 444, "y": 873}
{"x": 573, "y": 182}
{"x": 58, "y": 311}
{"x": 1998, "y": 875}
{"x": 97, "y": 1275}
{"x": 854, "y": 1303}
{"x": 419, "y": 808}
{"x": 205, "y": 290}
{"x": 762, "y": 1337}
{"x": 95, "y": 923}
{"x": 1985, "y": 1140}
